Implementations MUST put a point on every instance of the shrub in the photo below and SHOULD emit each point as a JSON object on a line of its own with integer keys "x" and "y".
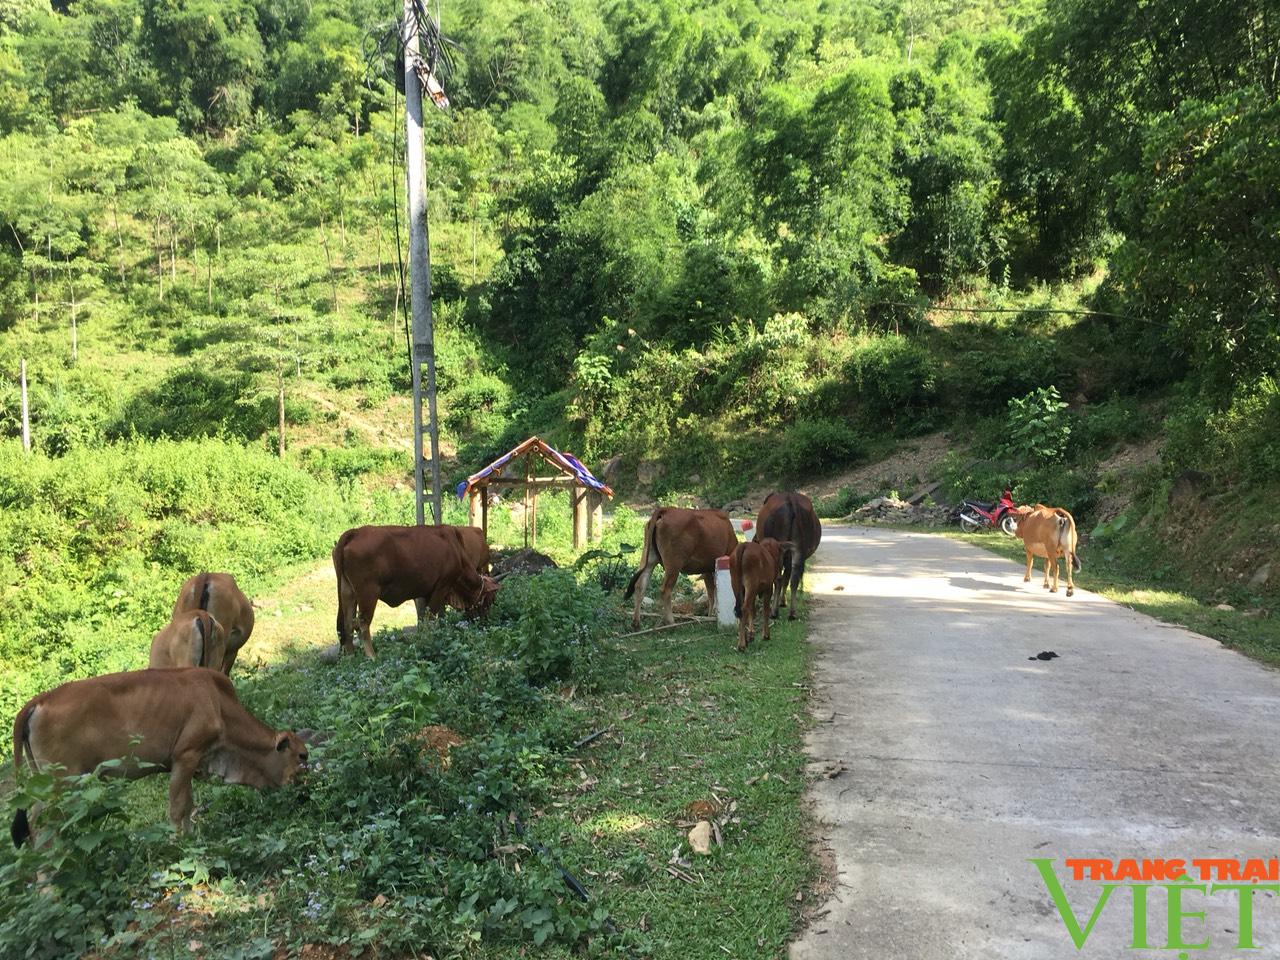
{"x": 1038, "y": 427}
{"x": 816, "y": 445}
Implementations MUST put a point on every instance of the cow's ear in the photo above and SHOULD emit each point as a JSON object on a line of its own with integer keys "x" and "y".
{"x": 283, "y": 744}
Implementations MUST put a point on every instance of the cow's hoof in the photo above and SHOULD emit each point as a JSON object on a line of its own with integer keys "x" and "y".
{"x": 1026, "y": 579}
{"x": 1070, "y": 591}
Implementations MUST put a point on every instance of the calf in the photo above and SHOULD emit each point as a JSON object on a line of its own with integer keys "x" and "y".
{"x": 218, "y": 593}
{"x": 186, "y": 722}
{"x": 190, "y": 639}
{"x": 756, "y": 571}
{"x": 790, "y": 518}
{"x": 683, "y": 541}
{"x": 1049, "y": 532}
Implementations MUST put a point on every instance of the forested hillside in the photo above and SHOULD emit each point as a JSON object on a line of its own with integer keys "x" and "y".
{"x": 727, "y": 240}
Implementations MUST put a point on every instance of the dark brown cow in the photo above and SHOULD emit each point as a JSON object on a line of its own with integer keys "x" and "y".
{"x": 755, "y": 570}
{"x": 218, "y": 593}
{"x": 683, "y": 541}
{"x": 394, "y": 564}
{"x": 476, "y": 549}
{"x": 790, "y": 517}
{"x": 185, "y": 722}
{"x": 191, "y": 639}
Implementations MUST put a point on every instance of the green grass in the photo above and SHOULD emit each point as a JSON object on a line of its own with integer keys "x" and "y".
{"x": 1173, "y": 599}
{"x": 381, "y": 850}
{"x": 690, "y": 719}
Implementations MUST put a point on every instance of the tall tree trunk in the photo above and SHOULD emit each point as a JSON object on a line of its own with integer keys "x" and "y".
{"x": 71, "y": 292}
{"x": 280, "y": 411}
{"x": 208, "y": 272}
{"x": 159, "y": 248}
{"x": 115, "y": 216}
{"x": 328, "y": 259}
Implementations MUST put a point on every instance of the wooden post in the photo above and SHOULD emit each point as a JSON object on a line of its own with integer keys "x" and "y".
{"x": 595, "y": 516}
{"x": 533, "y": 519}
{"x": 527, "y": 478}
{"x": 473, "y": 507}
{"x": 484, "y": 512}
{"x": 26, "y": 418}
{"x": 577, "y": 507}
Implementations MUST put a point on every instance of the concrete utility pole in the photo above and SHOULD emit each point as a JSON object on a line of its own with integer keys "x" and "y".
{"x": 419, "y": 272}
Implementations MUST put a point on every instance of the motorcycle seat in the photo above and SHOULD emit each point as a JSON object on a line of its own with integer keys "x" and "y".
{"x": 981, "y": 505}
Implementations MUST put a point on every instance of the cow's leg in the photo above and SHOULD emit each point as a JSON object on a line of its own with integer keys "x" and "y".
{"x": 1046, "y": 573}
{"x": 1053, "y": 560}
{"x": 744, "y": 624}
{"x": 797, "y": 572}
{"x": 710, "y": 580}
{"x": 641, "y": 588}
{"x": 180, "y": 801}
{"x": 368, "y": 602}
{"x": 783, "y": 579}
{"x": 1031, "y": 562}
{"x": 763, "y": 595}
{"x": 669, "y": 579}
{"x": 1071, "y": 586}
{"x": 422, "y": 607}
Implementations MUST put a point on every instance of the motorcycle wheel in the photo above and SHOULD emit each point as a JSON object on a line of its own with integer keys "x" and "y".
{"x": 968, "y": 524}
{"x": 1009, "y": 525}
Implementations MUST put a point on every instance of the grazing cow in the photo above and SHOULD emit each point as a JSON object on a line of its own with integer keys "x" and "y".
{"x": 476, "y": 549}
{"x": 218, "y": 593}
{"x": 394, "y": 564}
{"x": 1049, "y": 532}
{"x": 190, "y": 639}
{"x": 755, "y": 570}
{"x": 186, "y": 722}
{"x": 683, "y": 541}
{"x": 790, "y": 518}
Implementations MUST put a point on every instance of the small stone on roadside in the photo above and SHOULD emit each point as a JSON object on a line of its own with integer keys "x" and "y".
{"x": 700, "y": 837}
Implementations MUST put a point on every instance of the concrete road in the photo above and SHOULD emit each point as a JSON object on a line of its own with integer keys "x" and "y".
{"x": 957, "y": 759}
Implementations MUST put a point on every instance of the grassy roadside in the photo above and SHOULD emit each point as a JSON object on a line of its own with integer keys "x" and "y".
{"x": 694, "y": 730}
{"x": 394, "y": 847}
{"x": 1255, "y": 634}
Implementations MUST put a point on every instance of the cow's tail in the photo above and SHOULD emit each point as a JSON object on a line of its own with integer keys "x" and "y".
{"x": 735, "y": 579}
{"x": 20, "y": 829}
{"x": 338, "y": 552}
{"x": 650, "y": 543}
{"x": 199, "y": 643}
{"x": 1068, "y": 541}
{"x": 204, "y": 592}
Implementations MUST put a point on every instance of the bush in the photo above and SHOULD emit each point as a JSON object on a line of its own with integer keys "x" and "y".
{"x": 1037, "y": 427}
{"x": 194, "y": 402}
{"x": 816, "y": 445}
{"x": 1239, "y": 443}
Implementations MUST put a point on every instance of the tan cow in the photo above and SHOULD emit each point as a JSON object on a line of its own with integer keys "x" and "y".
{"x": 1049, "y": 532}
{"x": 683, "y": 541}
{"x": 790, "y": 518}
{"x": 186, "y": 722}
{"x": 191, "y": 639}
{"x": 757, "y": 570}
{"x": 218, "y": 593}
{"x": 394, "y": 564}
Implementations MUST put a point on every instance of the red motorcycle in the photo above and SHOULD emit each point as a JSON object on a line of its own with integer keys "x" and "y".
{"x": 975, "y": 515}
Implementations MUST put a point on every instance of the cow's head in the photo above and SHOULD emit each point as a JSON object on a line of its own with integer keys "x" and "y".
{"x": 287, "y": 755}
{"x": 483, "y": 599}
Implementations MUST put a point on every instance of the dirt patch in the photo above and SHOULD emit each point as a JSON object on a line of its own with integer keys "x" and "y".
{"x": 916, "y": 460}
{"x": 1131, "y": 458}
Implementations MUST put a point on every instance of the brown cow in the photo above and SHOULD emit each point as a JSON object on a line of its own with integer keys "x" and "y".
{"x": 683, "y": 541}
{"x": 190, "y": 639}
{"x": 756, "y": 572}
{"x": 218, "y": 593}
{"x": 1049, "y": 532}
{"x": 394, "y": 564}
{"x": 186, "y": 722}
{"x": 790, "y": 518}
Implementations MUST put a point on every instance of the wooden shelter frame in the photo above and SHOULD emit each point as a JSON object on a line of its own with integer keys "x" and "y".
{"x": 520, "y": 472}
